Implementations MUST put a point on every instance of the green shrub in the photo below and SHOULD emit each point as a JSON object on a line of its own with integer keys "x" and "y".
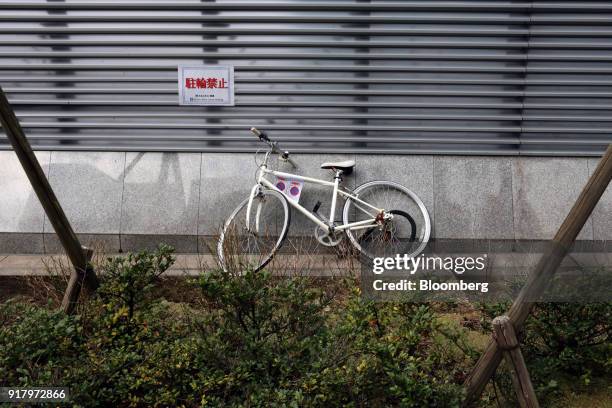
{"x": 259, "y": 341}
{"x": 37, "y": 346}
{"x": 250, "y": 340}
{"x": 285, "y": 343}
{"x": 387, "y": 355}
{"x": 129, "y": 281}
{"x": 259, "y": 337}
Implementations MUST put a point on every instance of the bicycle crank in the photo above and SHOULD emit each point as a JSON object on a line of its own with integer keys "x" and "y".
{"x": 327, "y": 239}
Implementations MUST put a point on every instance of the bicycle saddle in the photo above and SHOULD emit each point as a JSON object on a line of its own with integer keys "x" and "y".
{"x": 346, "y": 166}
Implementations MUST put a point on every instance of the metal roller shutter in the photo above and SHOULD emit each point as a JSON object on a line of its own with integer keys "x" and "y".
{"x": 442, "y": 77}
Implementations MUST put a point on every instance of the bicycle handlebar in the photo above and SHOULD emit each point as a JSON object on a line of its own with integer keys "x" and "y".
{"x": 263, "y": 137}
{"x": 260, "y": 134}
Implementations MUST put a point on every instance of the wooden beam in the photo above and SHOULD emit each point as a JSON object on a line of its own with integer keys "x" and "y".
{"x": 76, "y": 252}
{"x": 506, "y": 339}
{"x": 76, "y": 283}
{"x": 541, "y": 276}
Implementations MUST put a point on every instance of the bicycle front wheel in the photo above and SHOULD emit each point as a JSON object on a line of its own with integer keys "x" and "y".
{"x": 252, "y": 244}
{"x": 403, "y": 229}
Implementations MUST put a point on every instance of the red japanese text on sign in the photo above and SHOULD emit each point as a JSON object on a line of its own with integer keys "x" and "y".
{"x": 204, "y": 83}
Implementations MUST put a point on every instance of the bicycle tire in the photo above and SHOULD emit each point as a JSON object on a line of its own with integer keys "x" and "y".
{"x": 425, "y": 230}
{"x": 233, "y": 222}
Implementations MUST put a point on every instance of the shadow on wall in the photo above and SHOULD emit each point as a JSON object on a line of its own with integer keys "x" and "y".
{"x": 91, "y": 196}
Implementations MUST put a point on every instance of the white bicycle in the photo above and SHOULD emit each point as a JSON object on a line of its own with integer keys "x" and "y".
{"x": 380, "y": 218}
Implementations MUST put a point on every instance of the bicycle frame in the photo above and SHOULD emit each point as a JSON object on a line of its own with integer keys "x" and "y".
{"x": 330, "y": 227}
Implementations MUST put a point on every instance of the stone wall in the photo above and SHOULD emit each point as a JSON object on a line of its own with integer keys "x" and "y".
{"x": 131, "y": 200}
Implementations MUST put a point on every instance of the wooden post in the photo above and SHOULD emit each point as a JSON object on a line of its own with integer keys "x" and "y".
{"x": 75, "y": 284}
{"x": 76, "y": 252}
{"x": 505, "y": 336}
{"x": 543, "y": 272}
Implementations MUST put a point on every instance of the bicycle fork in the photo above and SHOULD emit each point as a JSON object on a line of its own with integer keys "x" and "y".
{"x": 254, "y": 193}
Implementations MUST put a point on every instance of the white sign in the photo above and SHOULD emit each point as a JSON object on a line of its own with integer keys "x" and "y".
{"x": 206, "y": 85}
{"x": 292, "y": 188}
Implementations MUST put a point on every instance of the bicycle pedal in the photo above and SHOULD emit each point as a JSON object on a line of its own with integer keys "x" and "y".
{"x": 316, "y": 207}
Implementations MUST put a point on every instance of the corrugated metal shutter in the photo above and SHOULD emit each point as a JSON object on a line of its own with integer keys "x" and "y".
{"x": 461, "y": 77}
{"x": 568, "y": 90}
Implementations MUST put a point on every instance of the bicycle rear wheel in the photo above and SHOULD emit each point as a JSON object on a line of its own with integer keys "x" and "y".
{"x": 253, "y": 246}
{"x": 406, "y": 229}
